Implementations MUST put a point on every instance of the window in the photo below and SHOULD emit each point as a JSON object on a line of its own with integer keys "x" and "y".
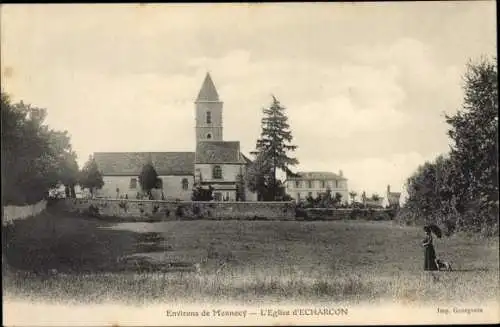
{"x": 298, "y": 196}
{"x": 133, "y": 183}
{"x": 209, "y": 136}
{"x": 209, "y": 117}
{"x": 309, "y": 194}
{"x": 323, "y": 184}
{"x": 185, "y": 184}
{"x": 217, "y": 172}
{"x": 336, "y": 184}
{"x": 297, "y": 184}
{"x": 310, "y": 184}
{"x": 217, "y": 196}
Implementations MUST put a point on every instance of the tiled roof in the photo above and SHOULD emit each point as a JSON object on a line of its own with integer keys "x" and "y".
{"x": 208, "y": 92}
{"x": 218, "y": 152}
{"x": 131, "y": 163}
{"x": 318, "y": 175}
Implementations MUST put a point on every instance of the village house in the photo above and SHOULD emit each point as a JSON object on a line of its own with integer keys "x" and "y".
{"x": 214, "y": 161}
{"x": 313, "y": 183}
{"x": 393, "y": 198}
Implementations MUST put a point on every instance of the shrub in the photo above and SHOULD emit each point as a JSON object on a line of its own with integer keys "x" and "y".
{"x": 179, "y": 212}
{"x": 123, "y": 205}
{"x": 300, "y": 212}
{"x": 355, "y": 213}
{"x": 201, "y": 194}
{"x": 93, "y": 211}
{"x": 197, "y": 212}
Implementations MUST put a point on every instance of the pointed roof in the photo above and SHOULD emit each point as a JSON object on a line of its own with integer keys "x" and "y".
{"x": 208, "y": 92}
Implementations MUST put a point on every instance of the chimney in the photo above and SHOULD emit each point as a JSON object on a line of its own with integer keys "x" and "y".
{"x": 388, "y": 189}
{"x": 341, "y": 174}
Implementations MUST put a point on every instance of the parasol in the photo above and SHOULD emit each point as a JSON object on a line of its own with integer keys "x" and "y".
{"x": 435, "y": 229}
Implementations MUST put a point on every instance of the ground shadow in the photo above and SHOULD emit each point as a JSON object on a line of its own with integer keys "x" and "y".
{"x": 54, "y": 241}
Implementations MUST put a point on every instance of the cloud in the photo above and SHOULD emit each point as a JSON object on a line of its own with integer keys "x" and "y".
{"x": 373, "y": 174}
{"x": 364, "y": 85}
{"x": 352, "y": 110}
{"x": 340, "y": 119}
{"x": 415, "y": 65}
{"x": 106, "y": 113}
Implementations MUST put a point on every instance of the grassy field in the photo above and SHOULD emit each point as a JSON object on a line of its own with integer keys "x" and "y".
{"x": 71, "y": 259}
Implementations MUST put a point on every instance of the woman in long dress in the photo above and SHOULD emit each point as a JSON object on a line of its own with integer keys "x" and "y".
{"x": 429, "y": 252}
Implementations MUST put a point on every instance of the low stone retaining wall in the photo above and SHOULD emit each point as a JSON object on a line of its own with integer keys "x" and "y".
{"x": 165, "y": 210}
{"x": 153, "y": 210}
{"x": 12, "y": 213}
{"x": 348, "y": 214}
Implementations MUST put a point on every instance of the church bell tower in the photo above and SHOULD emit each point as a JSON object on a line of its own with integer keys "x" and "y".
{"x": 208, "y": 112}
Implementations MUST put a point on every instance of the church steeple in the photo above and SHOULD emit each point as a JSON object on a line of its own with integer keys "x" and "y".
{"x": 208, "y": 112}
{"x": 208, "y": 92}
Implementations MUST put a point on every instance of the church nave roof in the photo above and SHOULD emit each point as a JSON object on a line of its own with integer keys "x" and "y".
{"x": 131, "y": 163}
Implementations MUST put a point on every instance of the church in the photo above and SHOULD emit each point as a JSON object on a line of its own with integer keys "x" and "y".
{"x": 215, "y": 162}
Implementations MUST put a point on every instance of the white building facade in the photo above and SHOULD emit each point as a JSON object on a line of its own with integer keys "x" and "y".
{"x": 314, "y": 183}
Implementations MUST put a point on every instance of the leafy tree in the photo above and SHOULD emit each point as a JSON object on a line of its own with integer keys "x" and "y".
{"x": 353, "y": 196}
{"x": 240, "y": 188}
{"x": 278, "y": 194}
{"x": 148, "y": 178}
{"x": 474, "y": 133}
{"x": 258, "y": 175}
{"x": 310, "y": 202}
{"x": 461, "y": 189}
{"x": 375, "y": 197}
{"x": 274, "y": 145}
{"x": 327, "y": 199}
{"x": 67, "y": 166}
{"x": 337, "y": 199}
{"x": 423, "y": 187}
{"x": 201, "y": 194}
{"x": 35, "y": 158}
{"x": 90, "y": 176}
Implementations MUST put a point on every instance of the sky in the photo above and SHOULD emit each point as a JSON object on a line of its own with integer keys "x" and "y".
{"x": 365, "y": 85}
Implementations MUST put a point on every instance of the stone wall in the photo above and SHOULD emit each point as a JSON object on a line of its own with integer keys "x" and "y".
{"x": 151, "y": 210}
{"x": 348, "y": 214}
{"x": 165, "y": 210}
{"x": 11, "y": 213}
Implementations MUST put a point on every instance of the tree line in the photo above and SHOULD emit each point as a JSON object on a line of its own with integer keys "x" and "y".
{"x": 36, "y": 158}
{"x": 459, "y": 189}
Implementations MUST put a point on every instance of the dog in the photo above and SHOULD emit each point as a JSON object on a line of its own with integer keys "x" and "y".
{"x": 443, "y": 265}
